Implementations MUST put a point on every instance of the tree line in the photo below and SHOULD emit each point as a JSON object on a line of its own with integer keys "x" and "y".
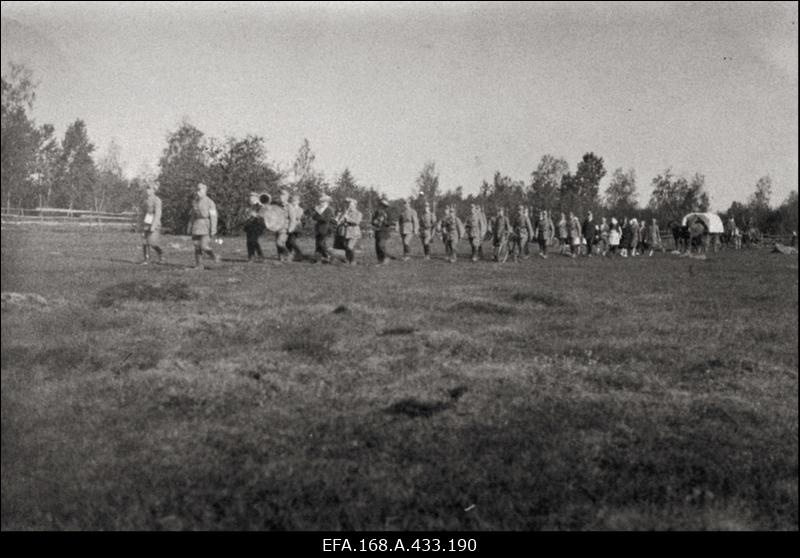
{"x": 41, "y": 170}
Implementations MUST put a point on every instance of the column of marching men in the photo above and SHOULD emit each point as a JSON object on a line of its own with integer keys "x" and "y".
{"x": 510, "y": 234}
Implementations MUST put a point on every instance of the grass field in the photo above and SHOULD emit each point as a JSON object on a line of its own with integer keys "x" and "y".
{"x": 653, "y": 393}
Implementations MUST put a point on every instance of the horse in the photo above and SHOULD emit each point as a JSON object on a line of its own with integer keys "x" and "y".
{"x": 751, "y": 237}
{"x": 680, "y": 236}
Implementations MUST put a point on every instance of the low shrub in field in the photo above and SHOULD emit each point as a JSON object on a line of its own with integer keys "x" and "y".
{"x": 145, "y": 292}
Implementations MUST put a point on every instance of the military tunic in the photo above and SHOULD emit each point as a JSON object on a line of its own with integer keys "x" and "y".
{"x": 203, "y": 224}
{"x": 152, "y": 221}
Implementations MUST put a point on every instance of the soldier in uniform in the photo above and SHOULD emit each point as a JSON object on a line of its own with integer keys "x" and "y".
{"x": 451, "y": 228}
{"x": 409, "y": 227}
{"x": 427, "y": 229}
{"x": 151, "y": 226}
{"x": 484, "y": 229}
{"x": 282, "y": 234}
{"x": 475, "y": 230}
{"x": 352, "y": 221}
{"x": 526, "y": 247}
{"x": 324, "y": 225}
{"x": 295, "y": 222}
{"x": 382, "y": 224}
{"x": 253, "y": 228}
{"x": 522, "y": 232}
{"x": 501, "y": 228}
{"x": 203, "y": 225}
{"x": 543, "y": 231}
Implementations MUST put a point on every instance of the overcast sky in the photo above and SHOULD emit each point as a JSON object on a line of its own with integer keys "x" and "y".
{"x": 381, "y": 89}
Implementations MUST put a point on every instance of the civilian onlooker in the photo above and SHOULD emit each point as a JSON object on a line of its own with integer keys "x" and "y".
{"x": 604, "y": 229}
{"x": 589, "y": 231}
{"x": 562, "y": 227}
{"x": 614, "y": 237}
{"x": 574, "y": 234}
{"x": 625, "y": 239}
{"x": 636, "y": 236}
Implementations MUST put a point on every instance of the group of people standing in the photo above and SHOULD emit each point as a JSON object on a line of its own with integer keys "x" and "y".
{"x": 510, "y": 234}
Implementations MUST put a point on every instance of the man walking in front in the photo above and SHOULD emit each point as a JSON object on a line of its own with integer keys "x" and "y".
{"x": 544, "y": 232}
{"x": 500, "y": 231}
{"x": 451, "y": 228}
{"x": 253, "y": 228}
{"x": 382, "y": 225}
{"x": 352, "y": 221}
{"x": 282, "y": 234}
{"x": 295, "y": 222}
{"x": 427, "y": 230}
{"x": 151, "y": 225}
{"x": 324, "y": 224}
{"x": 475, "y": 230}
{"x": 522, "y": 232}
{"x": 409, "y": 228}
{"x": 203, "y": 225}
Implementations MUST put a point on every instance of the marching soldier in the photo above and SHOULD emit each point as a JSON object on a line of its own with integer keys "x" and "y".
{"x": 352, "y": 221}
{"x": 540, "y": 233}
{"x": 151, "y": 225}
{"x": 475, "y": 230}
{"x": 253, "y": 228}
{"x": 383, "y": 225}
{"x": 523, "y": 232}
{"x": 409, "y": 227}
{"x": 282, "y": 234}
{"x": 295, "y": 222}
{"x": 324, "y": 224}
{"x": 526, "y": 247}
{"x": 484, "y": 230}
{"x": 500, "y": 229}
{"x": 452, "y": 228}
{"x": 427, "y": 229}
{"x": 203, "y": 225}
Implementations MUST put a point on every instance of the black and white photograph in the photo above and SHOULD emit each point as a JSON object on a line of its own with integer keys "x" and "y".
{"x": 427, "y": 271}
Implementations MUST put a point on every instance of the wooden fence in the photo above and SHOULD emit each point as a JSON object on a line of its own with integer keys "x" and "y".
{"x": 57, "y": 216}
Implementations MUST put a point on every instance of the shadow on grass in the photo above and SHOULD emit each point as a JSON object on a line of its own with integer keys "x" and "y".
{"x": 482, "y": 307}
{"x": 415, "y": 408}
{"x": 544, "y": 299}
{"x": 145, "y": 292}
{"x": 312, "y": 342}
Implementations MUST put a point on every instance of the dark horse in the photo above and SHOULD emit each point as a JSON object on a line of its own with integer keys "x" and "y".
{"x": 680, "y": 235}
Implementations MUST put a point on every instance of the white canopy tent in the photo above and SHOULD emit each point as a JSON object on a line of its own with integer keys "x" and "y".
{"x": 712, "y": 221}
